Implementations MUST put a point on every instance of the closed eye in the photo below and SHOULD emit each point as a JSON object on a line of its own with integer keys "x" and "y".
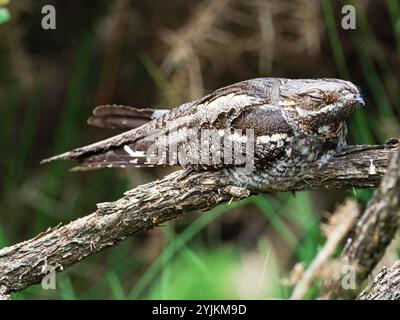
{"x": 318, "y": 98}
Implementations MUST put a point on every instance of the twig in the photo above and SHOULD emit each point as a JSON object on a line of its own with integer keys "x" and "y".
{"x": 156, "y": 202}
{"x": 348, "y": 214}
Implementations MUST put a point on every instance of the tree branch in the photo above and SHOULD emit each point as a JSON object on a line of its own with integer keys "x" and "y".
{"x": 385, "y": 286}
{"x": 373, "y": 232}
{"x": 156, "y": 202}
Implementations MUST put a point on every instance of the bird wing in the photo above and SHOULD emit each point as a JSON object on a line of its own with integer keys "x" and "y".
{"x": 222, "y": 109}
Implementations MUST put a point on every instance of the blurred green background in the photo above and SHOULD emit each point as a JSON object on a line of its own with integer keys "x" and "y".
{"x": 159, "y": 54}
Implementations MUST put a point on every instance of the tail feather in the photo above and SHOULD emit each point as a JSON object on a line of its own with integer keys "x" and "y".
{"x": 121, "y": 157}
{"x": 123, "y": 117}
{"x": 114, "y": 116}
{"x": 62, "y": 156}
{"x": 97, "y": 147}
{"x": 127, "y": 149}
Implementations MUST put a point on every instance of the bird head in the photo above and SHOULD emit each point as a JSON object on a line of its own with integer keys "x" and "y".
{"x": 319, "y": 102}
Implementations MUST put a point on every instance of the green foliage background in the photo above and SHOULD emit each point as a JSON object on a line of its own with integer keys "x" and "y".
{"x": 114, "y": 52}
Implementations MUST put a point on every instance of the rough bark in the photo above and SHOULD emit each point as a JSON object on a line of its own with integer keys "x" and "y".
{"x": 154, "y": 203}
{"x": 373, "y": 232}
{"x": 385, "y": 286}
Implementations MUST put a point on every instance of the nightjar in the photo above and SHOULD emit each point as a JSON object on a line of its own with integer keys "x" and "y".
{"x": 276, "y": 127}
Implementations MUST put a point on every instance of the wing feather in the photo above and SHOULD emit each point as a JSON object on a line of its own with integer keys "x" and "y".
{"x": 216, "y": 111}
{"x": 123, "y": 117}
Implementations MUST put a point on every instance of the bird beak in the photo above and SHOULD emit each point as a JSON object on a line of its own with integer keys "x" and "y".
{"x": 359, "y": 99}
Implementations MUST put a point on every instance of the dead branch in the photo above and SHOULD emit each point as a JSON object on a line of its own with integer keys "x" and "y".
{"x": 385, "y": 286}
{"x": 154, "y": 203}
{"x": 373, "y": 232}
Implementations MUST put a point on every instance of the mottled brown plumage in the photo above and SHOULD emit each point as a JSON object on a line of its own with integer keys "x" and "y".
{"x": 294, "y": 123}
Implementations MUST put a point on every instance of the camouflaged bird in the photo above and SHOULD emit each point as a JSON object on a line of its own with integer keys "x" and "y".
{"x": 294, "y": 123}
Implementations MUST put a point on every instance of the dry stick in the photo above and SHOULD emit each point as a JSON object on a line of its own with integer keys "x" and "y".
{"x": 348, "y": 214}
{"x": 385, "y": 286}
{"x": 154, "y": 203}
{"x": 373, "y": 232}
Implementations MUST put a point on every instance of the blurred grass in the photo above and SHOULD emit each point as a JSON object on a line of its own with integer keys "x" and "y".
{"x": 360, "y": 125}
{"x": 4, "y": 15}
{"x": 270, "y": 209}
{"x": 162, "y": 83}
{"x": 114, "y": 282}
{"x": 173, "y": 246}
{"x": 394, "y": 11}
